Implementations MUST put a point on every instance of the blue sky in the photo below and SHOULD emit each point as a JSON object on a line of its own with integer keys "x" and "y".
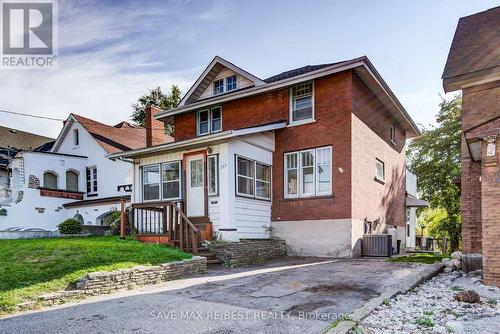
{"x": 110, "y": 52}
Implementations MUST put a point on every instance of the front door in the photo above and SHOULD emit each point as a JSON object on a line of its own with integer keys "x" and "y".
{"x": 195, "y": 175}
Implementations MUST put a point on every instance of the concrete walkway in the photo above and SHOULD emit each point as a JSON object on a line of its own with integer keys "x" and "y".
{"x": 292, "y": 295}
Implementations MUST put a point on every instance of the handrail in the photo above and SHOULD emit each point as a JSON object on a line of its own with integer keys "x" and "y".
{"x": 176, "y": 208}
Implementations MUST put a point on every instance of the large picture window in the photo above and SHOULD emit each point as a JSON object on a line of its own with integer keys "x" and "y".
{"x": 253, "y": 178}
{"x": 308, "y": 173}
{"x": 209, "y": 121}
{"x": 161, "y": 181}
{"x": 301, "y": 103}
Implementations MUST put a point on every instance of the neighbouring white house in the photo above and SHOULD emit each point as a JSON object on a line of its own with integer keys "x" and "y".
{"x": 74, "y": 179}
{"x": 412, "y": 204}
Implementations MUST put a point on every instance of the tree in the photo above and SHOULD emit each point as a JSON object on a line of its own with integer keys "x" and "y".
{"x": 158, "y": 98}
{"x": 435, "y": 158}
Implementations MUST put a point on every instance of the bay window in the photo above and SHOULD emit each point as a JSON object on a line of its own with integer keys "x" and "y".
{"x": 253, "y": 178}
{"x": 308, "y": 173}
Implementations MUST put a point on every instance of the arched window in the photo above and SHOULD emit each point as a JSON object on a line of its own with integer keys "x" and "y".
{"x": 71, "y": 181}
{"x": 49, "y": 180}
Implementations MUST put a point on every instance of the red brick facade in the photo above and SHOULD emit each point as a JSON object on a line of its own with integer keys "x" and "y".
{"x": 336, "y": 99}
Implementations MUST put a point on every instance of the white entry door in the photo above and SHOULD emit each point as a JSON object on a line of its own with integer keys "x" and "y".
{"x": 195, "y": 186}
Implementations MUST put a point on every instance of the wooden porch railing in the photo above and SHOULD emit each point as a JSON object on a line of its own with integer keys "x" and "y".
{"x": 165, "y": 218}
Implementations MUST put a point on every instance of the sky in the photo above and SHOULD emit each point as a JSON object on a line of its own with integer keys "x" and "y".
{"x": 111, "y": 52}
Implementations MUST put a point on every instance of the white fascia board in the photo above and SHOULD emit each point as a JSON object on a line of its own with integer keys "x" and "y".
{"x": 260, "y": 89}
{"x": 62, "y": 134}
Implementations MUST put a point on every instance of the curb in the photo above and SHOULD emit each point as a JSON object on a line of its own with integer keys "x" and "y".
{"x": 359, "y": 314}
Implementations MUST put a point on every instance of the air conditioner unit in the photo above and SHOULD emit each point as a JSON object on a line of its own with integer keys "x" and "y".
{"x": 377, "y": 245}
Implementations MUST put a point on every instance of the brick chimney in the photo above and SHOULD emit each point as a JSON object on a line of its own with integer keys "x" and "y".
{"x": 155, "y": 133}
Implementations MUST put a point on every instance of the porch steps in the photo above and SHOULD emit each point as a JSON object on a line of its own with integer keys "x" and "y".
{"x": 204, "y": 251}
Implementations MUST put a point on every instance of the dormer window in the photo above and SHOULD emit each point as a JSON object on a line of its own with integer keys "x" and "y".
{"x": 218, "y": 86}
{"x": 231, "y": 83}
{"x": 209, "y": 121}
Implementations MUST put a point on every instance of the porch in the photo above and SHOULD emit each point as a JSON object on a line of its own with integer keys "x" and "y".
{"x": 165, "y": 222}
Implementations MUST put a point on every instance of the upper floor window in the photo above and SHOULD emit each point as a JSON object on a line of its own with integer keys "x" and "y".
{"x": 392, "y": 131}
{"x": 379, "y": 170}
{"x": 49, "y": 180}
{"x": 71, "y": 180}
{"x": 76, "y": 137}
{"x": 308, "y": 173}
{"x": 301, "y": 103}
{"x": 209, "y": 121}
{"x": 218, "y": 86}
{"x": 231, "y": 83}
{"x": 91, "y": 180}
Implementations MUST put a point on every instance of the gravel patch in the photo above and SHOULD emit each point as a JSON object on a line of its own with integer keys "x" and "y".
{"x": 431, "y": 308}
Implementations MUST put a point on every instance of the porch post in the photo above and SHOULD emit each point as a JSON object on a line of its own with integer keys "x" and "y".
{"x": 123, "y": 218}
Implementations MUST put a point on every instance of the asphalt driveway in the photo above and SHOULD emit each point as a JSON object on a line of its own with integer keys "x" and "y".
{"x": 292, "y": 295}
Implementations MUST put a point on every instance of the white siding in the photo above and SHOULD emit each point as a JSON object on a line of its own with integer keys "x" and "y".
{"x": 411, "y": 183}
{"x": 242, "y": 82}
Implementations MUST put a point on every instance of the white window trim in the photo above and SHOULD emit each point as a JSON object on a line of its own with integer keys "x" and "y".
{"x": 210, "y": 131}
{"x": 286, "y": 169}
{"x": 377, "y": 160}
{"x": 223, "y": 86}
{"x": 92, "y": 190}
{"x": 291, "y": 122}
{"x": 226, "y": 85}
{"x": 263, "y": 181}
{"x": 254, "y": 178}
{"x": 392, "y": 131}
{"x": 300, "y": 186}
{"x": 216, "y": 158}
{"x": 179, "y": 163}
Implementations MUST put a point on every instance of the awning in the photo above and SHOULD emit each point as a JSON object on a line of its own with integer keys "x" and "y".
{"x": 416, "y": 202}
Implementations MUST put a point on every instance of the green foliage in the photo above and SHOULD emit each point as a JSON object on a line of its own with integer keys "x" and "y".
{"x": 434, "y": 222}
{"x": 435, "y": 158}
{"x": 428, "y": 312}
{"x": 427, "y": 258}
{"x": 386, "y": 302}
{"x": 70, "y": 226}
{"x": 456, "y": 288}
{"x": 492, "y": 301}
{"x": 158, "y": 98}
{"x": 424, "y": 322}
{"x": 32, "y": 267}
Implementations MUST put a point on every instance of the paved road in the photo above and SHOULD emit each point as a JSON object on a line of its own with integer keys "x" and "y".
{"x": 294, "y": 295}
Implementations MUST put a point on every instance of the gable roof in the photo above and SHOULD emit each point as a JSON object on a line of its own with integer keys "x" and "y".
{"x": 21, "y": 140}
{"x": 361, "y": 66}
{"x": 121, "y": 137}
{"x": 209, "y": 74}
{"x": 475, "y": 50}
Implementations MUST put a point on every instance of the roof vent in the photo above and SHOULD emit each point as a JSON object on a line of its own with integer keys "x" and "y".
{"x": 13, "y": 131}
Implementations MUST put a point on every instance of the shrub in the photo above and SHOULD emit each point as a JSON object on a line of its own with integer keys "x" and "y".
{"x": 114, "y": 220}
{"x": 70, "y": 226}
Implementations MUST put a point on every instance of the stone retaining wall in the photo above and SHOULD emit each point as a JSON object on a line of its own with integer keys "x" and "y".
{"x": 106, "y": 282}
{"x": 248, "y": 251}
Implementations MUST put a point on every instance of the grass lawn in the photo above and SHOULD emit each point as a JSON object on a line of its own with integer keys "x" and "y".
{"x": 32, "y": 267}
{"x": 427, "y": 258}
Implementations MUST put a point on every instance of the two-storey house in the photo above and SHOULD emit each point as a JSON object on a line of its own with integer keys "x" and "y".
{"x": 307, "y": 155}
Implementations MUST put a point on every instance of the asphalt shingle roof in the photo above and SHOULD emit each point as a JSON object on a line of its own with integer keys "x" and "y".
{"x": 476, "y": 44}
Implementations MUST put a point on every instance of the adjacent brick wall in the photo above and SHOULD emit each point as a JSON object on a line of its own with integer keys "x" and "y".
{"x": 248, "y": 251}
{"x": 490, "y": 189}
{"x": 155, "y": 133}
{"x": 479, "y": 104}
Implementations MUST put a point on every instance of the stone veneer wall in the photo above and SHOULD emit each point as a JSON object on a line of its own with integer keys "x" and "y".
{"x": 248, "y": 251}
{"x": 99, "y": 283}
